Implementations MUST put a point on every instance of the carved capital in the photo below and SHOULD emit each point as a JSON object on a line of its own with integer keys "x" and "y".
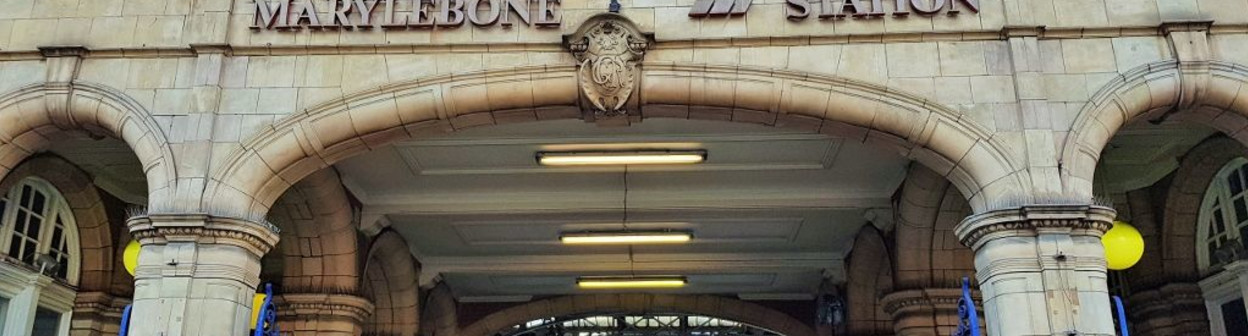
{"x": 316, "y": 306}
{"x": 1029, "y": 220}
{"x": 609, "y": 48}
{"x": 908, "y": 301}
{"x": 256, "y": 237}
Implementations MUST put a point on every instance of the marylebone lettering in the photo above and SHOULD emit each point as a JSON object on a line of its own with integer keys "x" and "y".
{"x": 401, "y": 14}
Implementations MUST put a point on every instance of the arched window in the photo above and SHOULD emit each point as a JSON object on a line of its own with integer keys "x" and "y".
{"x": 1223, "y": 216}
{"x": 37, "y": 229}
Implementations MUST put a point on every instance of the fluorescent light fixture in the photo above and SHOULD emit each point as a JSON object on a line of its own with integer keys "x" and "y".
{"x": 631, "y": 282}
{"x": 620, "y": 158}
{"x": 625, "y": 237}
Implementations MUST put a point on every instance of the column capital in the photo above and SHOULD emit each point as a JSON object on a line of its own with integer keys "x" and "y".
{"x": 325, "y": 307}
{"x": 1029, "y": 220}
{"x": 256, "y": 237}
{"x": 921, "y": 311}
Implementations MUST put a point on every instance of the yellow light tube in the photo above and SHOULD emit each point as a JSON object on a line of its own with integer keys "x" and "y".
{"x": 589, "y": 238}
{"x": 619, "y": 158}
{"x": 630, "y": 282}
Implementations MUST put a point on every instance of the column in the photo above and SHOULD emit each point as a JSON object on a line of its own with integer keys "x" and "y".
{"x": 322, "y": 314}
{"x": 1041, "y": 269}
{"x": 197, "y": 274}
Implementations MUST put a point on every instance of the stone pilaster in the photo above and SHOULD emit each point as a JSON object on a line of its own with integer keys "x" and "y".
{"x": 1041, "y": 269}
{"x": 322, "y": 314}
{"x": 97, "y": 313}
{"x": 197, "y": 274}
{"x": 1172, "y": 309}
{"x": 924, "y": 312}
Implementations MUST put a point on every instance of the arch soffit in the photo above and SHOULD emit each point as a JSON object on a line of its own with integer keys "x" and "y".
{"x": 708, "y": 305}
{"x": 1211, "y": 93}
{"x": 30, "y": 116}
{"x": 398, "y": 311}
{"x": 95, "y": 234}
{"x": 268, "y": 162}
{"x": 318, "y": 209}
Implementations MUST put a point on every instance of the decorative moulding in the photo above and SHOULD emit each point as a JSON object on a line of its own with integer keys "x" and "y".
{"x": 609, "y": 48}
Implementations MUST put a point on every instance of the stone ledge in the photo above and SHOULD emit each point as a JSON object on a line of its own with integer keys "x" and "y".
{"x": 324, "y": 306}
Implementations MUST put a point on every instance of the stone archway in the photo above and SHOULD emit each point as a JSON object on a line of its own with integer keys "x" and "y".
{"x": 318, "y": 239}
{"x": 265, "y": 165}
{"x": 95, "y": 235}
{"x": 98, "y": 304}
{"x": 390, "y": 282}
{"x": 32, "y": 116}
{"x": 1183, "y": 201}
{"x": 708, "y": 305}
{"x": 1208, "y": 92}
{"x": 870, "y": 270}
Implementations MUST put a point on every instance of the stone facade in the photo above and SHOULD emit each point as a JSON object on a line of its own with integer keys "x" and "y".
{"x": 1008, "y": 110}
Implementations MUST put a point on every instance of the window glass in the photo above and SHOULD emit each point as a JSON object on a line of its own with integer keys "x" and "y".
{"x": 47, "y": 322}
{"x": 1235, "y": 318}
{"x": 1224, "y": 215}
{"x": 39, "y": 223}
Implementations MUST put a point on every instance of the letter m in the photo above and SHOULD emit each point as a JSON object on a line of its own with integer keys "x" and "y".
{"x": 719, "y": 7}
{"x": 270, "y": 17}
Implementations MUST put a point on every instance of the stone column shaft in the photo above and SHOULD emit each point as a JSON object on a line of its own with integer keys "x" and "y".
{"x": 197, "y": 274}
{"x": 1041, "y": 269}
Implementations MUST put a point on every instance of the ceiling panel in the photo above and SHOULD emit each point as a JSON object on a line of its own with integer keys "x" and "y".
{"x": 773, "y": 211}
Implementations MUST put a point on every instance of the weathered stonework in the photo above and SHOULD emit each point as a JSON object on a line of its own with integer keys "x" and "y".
{"x": 1006, "y": 105}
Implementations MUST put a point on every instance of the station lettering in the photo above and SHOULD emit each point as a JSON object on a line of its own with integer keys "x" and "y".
{"x": 801, "y": 9}
{"x": 292, "y": 14}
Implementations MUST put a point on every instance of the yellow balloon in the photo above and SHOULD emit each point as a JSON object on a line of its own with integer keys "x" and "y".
{"x": 1123, "y": 246}
{"x": 130, "y": 258}
{"x": 256, "y": 303}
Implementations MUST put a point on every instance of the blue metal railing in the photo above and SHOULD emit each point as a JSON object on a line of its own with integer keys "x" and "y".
{"x": 968, "y": 316}
{"x": 266, "y": 323}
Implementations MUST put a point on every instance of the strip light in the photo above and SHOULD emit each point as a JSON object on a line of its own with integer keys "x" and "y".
{"x": 631, "y": 282}
{"x": 620, "y": 158}
{"x": 651, "y": 237}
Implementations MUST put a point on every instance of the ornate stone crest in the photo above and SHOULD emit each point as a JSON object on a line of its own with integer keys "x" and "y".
{"x": 609, "y": 48}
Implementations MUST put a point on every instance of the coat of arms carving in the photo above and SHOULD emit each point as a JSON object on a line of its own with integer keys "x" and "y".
{"x": 609, "y": 48}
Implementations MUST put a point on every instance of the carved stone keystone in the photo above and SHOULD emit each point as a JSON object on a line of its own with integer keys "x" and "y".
{"x": 609, "y": 48}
